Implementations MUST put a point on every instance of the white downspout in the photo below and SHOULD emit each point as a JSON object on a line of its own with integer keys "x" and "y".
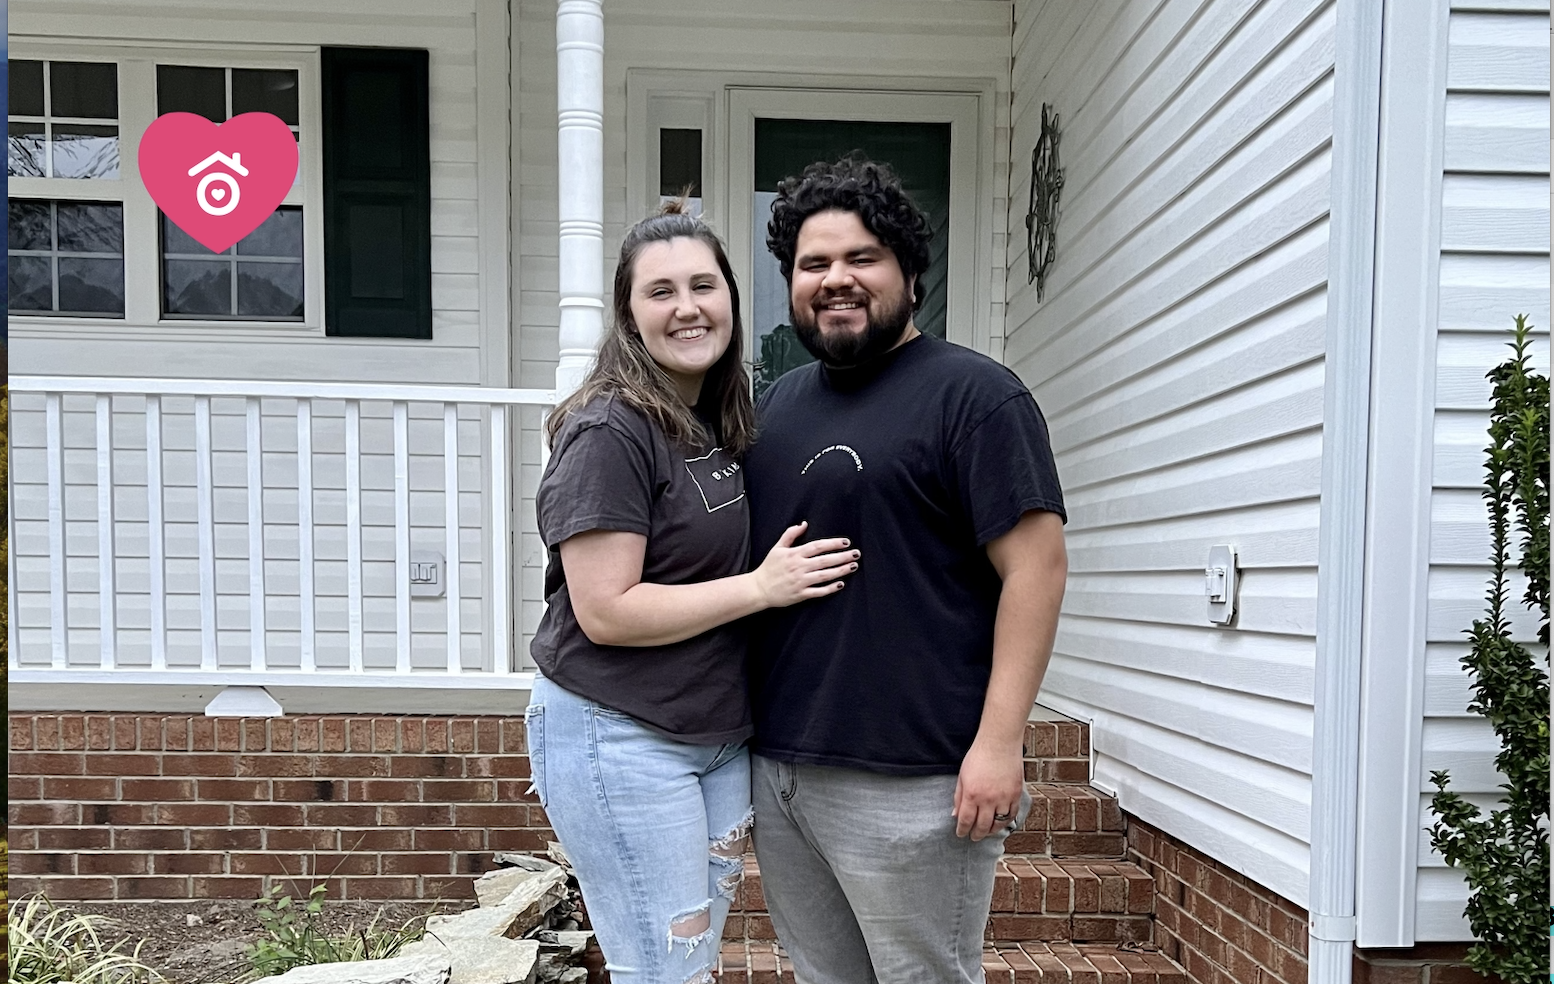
{"x": 580, "y": 186}
{"x": 1345, "y": 453}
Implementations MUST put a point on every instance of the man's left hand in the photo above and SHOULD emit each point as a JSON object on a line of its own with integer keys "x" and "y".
{"x": 988, "y": 792}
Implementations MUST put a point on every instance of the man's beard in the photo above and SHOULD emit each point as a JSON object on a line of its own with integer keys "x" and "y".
{"x": 841, "y": 350}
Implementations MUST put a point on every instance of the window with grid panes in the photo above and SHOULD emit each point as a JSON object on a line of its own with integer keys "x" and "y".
{"x": 354, "y": 232}
{"x": 64, "y": 255}
{"x": 261, "y": 277}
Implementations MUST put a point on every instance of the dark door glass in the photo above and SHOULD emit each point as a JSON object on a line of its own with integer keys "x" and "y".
{"x": 919, "y": 153}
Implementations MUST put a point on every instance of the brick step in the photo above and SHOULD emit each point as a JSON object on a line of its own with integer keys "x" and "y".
{"x": 1057, "y": 750}
{"x": 762, "y": 962}
{"x": 1091, "y": 901}
{"x": 1070, "y": 821}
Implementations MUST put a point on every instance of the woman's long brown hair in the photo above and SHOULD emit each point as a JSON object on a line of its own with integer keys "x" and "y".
{"x": 624, "y": 367}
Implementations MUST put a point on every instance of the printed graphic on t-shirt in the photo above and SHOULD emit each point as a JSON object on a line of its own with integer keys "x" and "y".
{"x": 718, "y": 477}
{"x": 844, "y": 449}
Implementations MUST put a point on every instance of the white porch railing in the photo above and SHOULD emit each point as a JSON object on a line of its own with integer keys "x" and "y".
{"x": 187, "y": 532}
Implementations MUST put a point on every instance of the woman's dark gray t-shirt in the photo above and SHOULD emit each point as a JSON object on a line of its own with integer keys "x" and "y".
{"x": 613, "y": 469}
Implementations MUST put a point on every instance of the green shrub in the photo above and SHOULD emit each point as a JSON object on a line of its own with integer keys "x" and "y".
{"x": 49, "y": 944}
{"x": 294, "y": 935}
{"x": 1505, "y": 855}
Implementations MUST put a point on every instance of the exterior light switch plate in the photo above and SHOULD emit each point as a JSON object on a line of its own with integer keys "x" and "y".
{"x": 1219, "y": 584}
{"x": 428, "y": 574}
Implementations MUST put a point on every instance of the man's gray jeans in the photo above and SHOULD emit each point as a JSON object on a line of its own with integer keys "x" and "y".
{"x": 864, "y": 876}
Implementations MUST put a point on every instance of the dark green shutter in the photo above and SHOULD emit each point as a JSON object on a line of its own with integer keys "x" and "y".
{"x": 377, "y": 193}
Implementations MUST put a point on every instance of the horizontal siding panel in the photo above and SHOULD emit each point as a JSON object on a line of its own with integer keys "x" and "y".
{"x": 1502, "y": 6}
{"x": 1177, "y": 356}
{"x": 1448, "y": 684}
{"x": 1280, "y": 862}
{"x": 1482, "y": 292}
{"x": 1267, "y": 665}
{"x": 1231, "y": 764}
{"x": 1459, "y": 529}
{"x": 1285, "y": 470}
{"x": 1287, "y": 404}
{"x": 1269, "y": 600}
{"x": 1210, "y": 173}
{"x": 1260, "y": 224}
{"x": 1495, "y": 214}
{"x": 1457, "y": 598}
{"x": 1498, "y": 52}
{"x": 1264, "y": 333}
{"x": 1466, "y": 748}
{"x": 1491, "y": 133}
{"x": 1438, "y": 909}
{"x": 1274, "y": 534}
{"x": 1462, "y": 361}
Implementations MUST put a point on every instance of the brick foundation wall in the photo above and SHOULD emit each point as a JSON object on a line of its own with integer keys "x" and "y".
{"x": 1428, "y": 963}
{"x": 137, "y": 807}
{"x": 1224, "y": 928}
{"x": 1221, "y": 926}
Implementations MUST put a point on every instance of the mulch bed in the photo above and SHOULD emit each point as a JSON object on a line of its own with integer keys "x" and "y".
{"x": 212, "y": 951}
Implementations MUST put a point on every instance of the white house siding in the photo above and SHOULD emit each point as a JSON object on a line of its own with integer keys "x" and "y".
{"x": 283, "y": 642}
{"x": 1178, "y": 356}
{"x": 1494, "y": 264}
{"x": 468, "y": 346}
{"x": 911, "y": 38}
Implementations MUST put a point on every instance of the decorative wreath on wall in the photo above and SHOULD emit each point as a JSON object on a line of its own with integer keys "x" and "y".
{"x": 1046, "y": 185}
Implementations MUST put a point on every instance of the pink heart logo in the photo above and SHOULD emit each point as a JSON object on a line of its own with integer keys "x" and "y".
{"x": 218, "y": 182}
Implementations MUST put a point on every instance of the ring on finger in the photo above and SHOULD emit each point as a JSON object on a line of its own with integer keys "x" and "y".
{"x": 1003, "y": 817}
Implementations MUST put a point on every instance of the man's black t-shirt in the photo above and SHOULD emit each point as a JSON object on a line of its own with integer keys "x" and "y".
{"x": 921, "y": 458}
{"x": 613, "y": 469}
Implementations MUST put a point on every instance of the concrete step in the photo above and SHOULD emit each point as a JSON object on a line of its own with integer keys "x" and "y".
{"x": 763, "y": 962}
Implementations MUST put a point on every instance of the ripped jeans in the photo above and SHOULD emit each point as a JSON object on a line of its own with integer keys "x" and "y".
{"x": 655, "y": 830}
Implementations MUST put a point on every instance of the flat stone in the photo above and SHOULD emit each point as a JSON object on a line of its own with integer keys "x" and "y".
{"x": 419, "y": 969}
{"x": 488, "y": 960}
{"x": 570, "y": 942}
{"x": 526, "y": 861}
{"x": 522, "y": 910}
{"x": 494, "y": 886}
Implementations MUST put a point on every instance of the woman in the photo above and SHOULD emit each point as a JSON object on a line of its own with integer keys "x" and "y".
{"x": 638, "y": 717}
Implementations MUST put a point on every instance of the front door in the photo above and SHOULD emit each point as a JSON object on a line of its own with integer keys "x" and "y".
{"x": 930, "y": 139}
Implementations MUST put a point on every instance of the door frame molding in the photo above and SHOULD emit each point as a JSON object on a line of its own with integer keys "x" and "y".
{"x": 733, "y": 100}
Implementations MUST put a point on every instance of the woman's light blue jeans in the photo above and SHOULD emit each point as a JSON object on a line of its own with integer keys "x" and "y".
{"x": 655, "y": 830}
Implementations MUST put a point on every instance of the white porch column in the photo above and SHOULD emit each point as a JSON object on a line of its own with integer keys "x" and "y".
{"x": 580, "y": 141}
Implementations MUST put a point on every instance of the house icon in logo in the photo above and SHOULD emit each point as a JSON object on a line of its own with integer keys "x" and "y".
{"x": 211, "y": 199}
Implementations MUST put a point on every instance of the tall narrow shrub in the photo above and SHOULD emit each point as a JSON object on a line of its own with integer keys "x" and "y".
{"x": 1505, "y": 854}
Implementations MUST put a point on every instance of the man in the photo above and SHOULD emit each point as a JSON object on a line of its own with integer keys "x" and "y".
{"x": 890, "y": 716}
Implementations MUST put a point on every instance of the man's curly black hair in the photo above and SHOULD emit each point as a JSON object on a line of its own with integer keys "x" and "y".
{"x": 852, "y": 184}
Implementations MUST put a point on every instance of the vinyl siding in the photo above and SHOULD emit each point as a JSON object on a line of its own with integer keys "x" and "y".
{"x": 457, "y": 351}
{"x": 917, "y": 38}
{"x": 1494, "y": 264}
{"x": 1178, "y": 357}
{"x": 467, "y": 347}
{"x": 280, "y": 533}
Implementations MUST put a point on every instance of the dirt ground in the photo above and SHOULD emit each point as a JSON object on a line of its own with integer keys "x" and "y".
{"x": 211, "y": 950}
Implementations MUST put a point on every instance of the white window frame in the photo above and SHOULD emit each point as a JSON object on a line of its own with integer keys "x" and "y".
{"x": 726, "y": 105}
{"x": 142, "y": 241}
